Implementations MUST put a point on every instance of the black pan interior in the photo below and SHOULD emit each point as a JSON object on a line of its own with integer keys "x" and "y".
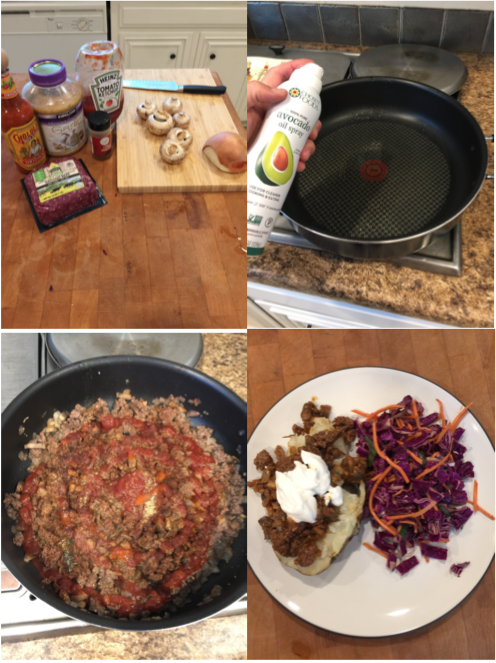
{"x": 147, "y": 378}
{"x": 394, "y": 158}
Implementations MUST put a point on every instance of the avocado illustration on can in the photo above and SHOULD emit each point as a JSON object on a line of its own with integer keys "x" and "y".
{"x": 275, "y": 162}
{"x": 274, "y": 155}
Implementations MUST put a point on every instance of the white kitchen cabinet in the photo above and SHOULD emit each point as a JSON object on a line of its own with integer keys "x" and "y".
{"x": 187, "y": 35}
{"x": 173, "y": 49}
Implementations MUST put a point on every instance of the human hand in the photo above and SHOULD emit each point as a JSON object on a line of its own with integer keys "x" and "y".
{"x": 262, "y": 95}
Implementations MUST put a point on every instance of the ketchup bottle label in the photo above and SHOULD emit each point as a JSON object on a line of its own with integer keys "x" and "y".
{"x": 106, "y": 90}
{"x": 25, "y": 145}
{"x": 8, "y": 86}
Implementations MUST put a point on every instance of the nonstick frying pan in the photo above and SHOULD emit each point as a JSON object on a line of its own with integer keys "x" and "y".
{"x": 396, "y": 164}
{"x": 148, "y": 378}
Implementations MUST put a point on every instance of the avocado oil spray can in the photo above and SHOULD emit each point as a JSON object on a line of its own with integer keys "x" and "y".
{"x": 275, "y": 153}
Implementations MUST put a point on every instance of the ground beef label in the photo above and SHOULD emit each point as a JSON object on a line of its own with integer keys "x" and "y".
{"x": 25, "y": 144}
{"x": 56, "y": 180}
{"x": 106, "y": 90}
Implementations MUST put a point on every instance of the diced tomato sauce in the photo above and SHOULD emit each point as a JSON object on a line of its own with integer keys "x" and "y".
{"x": 139, "y": 471}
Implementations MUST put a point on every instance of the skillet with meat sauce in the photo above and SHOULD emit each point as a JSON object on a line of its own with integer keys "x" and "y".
{"x": 148, "y": 378}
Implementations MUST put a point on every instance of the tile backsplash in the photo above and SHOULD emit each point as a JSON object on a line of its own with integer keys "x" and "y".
{"x": 349, "y": 25}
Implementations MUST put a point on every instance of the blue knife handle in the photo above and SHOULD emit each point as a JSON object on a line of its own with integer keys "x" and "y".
{"x": 204, "y": 89}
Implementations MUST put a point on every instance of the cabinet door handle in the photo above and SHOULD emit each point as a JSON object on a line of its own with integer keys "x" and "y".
{"x": 173, "y": 56}
{"x": 212, "y": 56}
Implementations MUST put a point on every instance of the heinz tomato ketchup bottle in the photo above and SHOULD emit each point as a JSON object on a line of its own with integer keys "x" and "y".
{"x": 274, "y": 156}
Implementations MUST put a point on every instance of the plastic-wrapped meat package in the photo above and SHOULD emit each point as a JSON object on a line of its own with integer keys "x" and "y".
{"x": 60, "y": 189}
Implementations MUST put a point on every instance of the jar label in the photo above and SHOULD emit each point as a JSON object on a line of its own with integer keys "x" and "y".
{"x": 106, "y": 90}
{"x": 25, "y": 145}
{"x": 56, "y": 180}
{"x": 64, "y": 133}
{"x": 101, "y": 146}
{"x": 8, "y": 86}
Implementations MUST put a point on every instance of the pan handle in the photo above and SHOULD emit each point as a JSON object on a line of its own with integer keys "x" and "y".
{"x": 489, "y": 139}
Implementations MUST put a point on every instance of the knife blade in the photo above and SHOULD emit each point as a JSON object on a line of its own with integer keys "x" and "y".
{"x": 171, "y": 86}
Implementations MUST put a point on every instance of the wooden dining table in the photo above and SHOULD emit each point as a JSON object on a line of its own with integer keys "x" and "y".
{"x": 150, "y": 260}
{"x": 461, "y": 362}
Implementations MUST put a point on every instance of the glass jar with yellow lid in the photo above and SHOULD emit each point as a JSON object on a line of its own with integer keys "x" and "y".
{"x": 56, "y": 100}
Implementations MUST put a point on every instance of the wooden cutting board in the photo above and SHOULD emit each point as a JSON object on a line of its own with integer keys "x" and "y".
{"x": 139, "y": 166}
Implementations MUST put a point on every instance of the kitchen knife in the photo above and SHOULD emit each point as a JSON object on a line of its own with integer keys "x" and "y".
{"x": 171, "y": 86}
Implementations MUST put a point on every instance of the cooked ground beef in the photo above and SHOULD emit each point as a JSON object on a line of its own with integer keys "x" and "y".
{"x": 287, "y": 537}
{"x": 124, "y": 512}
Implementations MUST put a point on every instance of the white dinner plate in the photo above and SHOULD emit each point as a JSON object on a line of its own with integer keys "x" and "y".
{"x": 357, "y": 595}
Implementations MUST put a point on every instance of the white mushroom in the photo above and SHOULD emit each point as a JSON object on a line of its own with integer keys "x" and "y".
{"x": 181, "y": 119}
{"x": 145, "y": 109}
{"x": 159, "y": 123}
{"x": 172, "y": 152}
{"x": 172, "y": 105}
{"x": 182, "y": 136}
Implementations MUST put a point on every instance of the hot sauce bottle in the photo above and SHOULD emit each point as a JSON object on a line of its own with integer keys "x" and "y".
{"x": 19, "y": 125}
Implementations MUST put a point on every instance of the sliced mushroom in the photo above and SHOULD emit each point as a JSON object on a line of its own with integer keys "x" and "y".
{"x": 146, "y": 108}
{"x": 159, "y": 123}
{"x": 182, "y": 136}
{"x": 172, "y": 105}
{"x": 181, "y": 119}
{"x": 172, "y": 152}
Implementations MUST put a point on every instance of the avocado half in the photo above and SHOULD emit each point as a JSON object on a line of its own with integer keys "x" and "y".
{"x": 275, "y": 163}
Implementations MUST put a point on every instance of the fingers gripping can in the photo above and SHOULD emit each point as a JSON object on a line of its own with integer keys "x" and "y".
{"x": 275, "y": 153}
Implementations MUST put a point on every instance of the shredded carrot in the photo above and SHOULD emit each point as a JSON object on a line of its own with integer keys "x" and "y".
{"x": 441, "y": 412}
{"x": 400, "y": 424}
{"x": 419, "y": 461}
{"x": 388, "y": 407}
{"x": 426, "y": 559}
{"x": 427, "y": 541}
{"x": 362, "y": 414}
{"x": 383, "y": 455}
{"x": 435, "y": 508}
{"x": 415, "y": 413}
{"x": 459, "y": 417}
{"x": 409, "y": 426}
{"x": 416, "y": 513}
{"x": 479, "y": 508}
{"x": 391, "y": 530}
{"x": 379, "y": 552}
{"x": 476, "y": 486}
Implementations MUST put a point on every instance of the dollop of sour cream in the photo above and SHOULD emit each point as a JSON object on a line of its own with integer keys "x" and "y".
{"x": 296, "y": 489}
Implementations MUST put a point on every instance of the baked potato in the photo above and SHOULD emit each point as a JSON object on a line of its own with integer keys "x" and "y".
{"x": 330, "y": 440}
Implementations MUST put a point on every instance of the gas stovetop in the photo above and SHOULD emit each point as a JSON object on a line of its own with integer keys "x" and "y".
{"x": 444, "y": 256}
{"x": 24, "y": 360}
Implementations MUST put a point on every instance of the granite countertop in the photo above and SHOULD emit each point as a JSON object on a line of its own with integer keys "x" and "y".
{"x": 222, "y": 638}
{"x": 224, "y": 358}
{"x": 465, "y": 301}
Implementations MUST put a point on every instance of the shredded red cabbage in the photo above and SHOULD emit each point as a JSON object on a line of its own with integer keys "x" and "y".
{"x": 458, "y": 568}
{"x": 407, "y": 565}
{"x": 397, "y": 432}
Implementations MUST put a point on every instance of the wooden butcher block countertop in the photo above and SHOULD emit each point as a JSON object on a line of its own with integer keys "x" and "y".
{"x": 151, "y": 260}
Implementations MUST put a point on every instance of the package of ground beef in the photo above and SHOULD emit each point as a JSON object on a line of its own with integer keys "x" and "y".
{"x": 61, "y": 191}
